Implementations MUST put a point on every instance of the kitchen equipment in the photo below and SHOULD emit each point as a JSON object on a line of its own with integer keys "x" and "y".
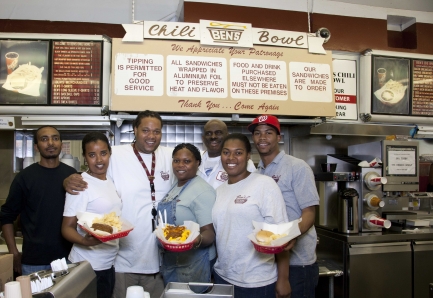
{"x": 328, "y": 184}
{"x": 422, "y": 269}
{"x": 373, "y": 220}
{"x": 373, "y": 202}
{"x": 79, "y": 282}
{"x": 399, "y": 159}
{"x": 381, "y": 187}
{"x": 182, "y": 290}
{"x": 367, "y": 181}
{"x": 348, "y": 211}
{"x": 328, "y": 167}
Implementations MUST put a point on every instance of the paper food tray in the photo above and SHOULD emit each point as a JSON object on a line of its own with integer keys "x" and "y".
{"x": 179, "y": 246}
{"x": 276, "y": 246}
{"x": 85, "y": 220}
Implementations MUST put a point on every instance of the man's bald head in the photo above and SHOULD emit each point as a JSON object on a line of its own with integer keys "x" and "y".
{"x": 214, "y": 133}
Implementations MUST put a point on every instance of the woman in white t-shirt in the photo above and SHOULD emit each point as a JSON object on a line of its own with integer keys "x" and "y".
{"x": 243, "y": 198}
{"x": 99, "y": 197}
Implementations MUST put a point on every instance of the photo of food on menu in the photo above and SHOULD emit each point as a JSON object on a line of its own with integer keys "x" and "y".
{"x": 390, "y": 85}
{"x": 23, "y": 72}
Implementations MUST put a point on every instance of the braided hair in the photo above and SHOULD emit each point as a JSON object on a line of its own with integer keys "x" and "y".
{"x": 193, "y": 149}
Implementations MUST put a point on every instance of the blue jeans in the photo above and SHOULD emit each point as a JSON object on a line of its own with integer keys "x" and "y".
{"x": 260, "y": 292}
{"x": 303, "y": 280}
{"x": 29, "y": 269}
{"x": 105, "y": 282}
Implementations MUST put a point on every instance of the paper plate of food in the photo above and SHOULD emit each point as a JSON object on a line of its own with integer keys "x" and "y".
{"x": 273, "y": 238}
{"x": 391, "y": 93}
{"x": 105, "y": 227}
{"x": 177, "y": 238}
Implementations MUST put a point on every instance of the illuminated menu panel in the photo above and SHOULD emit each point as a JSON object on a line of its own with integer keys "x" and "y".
{"x": 422, "y": 92}
{"x": 76, "y": 73}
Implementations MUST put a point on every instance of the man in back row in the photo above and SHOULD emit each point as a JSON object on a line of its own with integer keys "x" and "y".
{"x": 211, "y": 168}
{"x": 296, "y": 181}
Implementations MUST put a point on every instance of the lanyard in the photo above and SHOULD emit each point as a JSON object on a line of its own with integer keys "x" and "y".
{"x": 151, "y": 177}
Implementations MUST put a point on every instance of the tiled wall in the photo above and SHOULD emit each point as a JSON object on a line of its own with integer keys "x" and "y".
{"x": 174, "y": 133}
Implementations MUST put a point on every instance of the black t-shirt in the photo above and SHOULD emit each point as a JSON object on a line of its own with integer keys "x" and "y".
{"x": 37, "y": 194}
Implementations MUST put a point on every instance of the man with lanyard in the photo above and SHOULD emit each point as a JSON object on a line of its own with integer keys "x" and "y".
{"x": 211, "y": 168}
{"x": 296, "y": 181}
{"x": 142, "y": 173}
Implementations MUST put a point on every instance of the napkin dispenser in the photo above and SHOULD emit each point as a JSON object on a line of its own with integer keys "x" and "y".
{"x": 79, "y": 282}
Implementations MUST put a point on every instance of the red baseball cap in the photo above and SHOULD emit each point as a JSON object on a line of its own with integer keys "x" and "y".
{"x": 265, "y": 119}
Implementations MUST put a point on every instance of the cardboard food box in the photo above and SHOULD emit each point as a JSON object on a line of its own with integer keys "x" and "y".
{"x": 6, "y": 270}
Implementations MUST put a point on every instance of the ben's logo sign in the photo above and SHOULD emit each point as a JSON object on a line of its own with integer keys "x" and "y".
{"x": 220, "y": 33}
{"x": 226, "y": 33}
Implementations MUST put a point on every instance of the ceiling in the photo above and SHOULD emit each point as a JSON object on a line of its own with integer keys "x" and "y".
{"x": 125, "y": 12}
{"x": 416, "y": 5}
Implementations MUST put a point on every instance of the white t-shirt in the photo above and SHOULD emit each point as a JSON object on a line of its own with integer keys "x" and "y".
{"x": 217, "y": 175}
{"x": 138, "y": 252}
{"x": 257, "y": 198}
{"x": 99, "y": 197}
{"x": 210, "y": 163}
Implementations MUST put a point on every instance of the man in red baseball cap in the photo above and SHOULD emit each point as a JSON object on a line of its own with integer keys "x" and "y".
{"x": 296, "y": 181}
{"x": 265, "y": 119}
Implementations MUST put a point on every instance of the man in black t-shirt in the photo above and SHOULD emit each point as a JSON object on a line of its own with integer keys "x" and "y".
{"x": 37, "y": 195}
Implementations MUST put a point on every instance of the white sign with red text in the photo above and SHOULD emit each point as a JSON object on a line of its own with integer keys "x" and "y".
{"x": 344, "y": 72}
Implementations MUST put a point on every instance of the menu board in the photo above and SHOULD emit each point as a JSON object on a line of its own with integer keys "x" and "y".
{"x": 422, "y": 92}
{"x": 76, "y": 73}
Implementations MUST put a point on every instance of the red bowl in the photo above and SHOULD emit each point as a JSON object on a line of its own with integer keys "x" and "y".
{"x": 118, "y": 235}
{"x": 176, "y": 247}
{"x": 268, "y": 249}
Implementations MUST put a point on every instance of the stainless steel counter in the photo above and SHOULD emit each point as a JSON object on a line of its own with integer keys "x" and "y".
{"x": 372, "y": 256}
{"x": 422, "y": 234}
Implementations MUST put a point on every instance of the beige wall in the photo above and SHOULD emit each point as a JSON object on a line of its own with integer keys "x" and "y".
{"x": 6, "y": 162}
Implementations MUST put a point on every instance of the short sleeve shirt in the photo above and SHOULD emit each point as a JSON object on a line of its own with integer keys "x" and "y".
{"x": 296, "y": 182}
